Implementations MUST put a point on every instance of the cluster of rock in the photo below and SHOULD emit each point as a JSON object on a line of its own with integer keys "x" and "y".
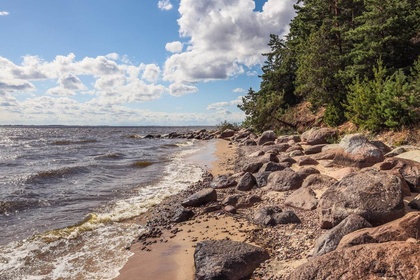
{"x": 202, "y": 134}
{"x": 370, "y": 234}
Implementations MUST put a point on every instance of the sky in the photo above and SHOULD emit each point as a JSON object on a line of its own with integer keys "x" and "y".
{"x": 131, "y": 62}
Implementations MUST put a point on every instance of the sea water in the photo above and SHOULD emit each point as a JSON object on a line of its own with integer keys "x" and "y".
{"x": 67, "y": 195}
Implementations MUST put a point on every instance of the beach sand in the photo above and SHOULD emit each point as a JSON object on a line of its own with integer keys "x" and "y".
{"x": 170, "y": 255}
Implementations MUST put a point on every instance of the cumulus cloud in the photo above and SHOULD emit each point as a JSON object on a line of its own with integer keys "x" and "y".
{"x": 165, "y": 5}
{"x": 151, "y": 72}
{"x": 238, "y": 90}
{"x": 174, "y": 47}
{"x": 178, "y": 89}
{"x": 4, "y": 13}
{"x": 225, "y": 37}
{"x": 222, "y": 105}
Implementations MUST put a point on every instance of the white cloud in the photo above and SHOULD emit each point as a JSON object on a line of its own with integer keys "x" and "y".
{"x": 178, "y": 89}
{"x": 112, "y": 56}
{"x": 165, "y": 5}
{"x": 238, "y": 90}
{"x": 4, "y": 13}
{"x": 222, "y": 105}
{"x": 151, "y": 72}
{"x": 225, "y": 37}
{"x": 174, "y": 47}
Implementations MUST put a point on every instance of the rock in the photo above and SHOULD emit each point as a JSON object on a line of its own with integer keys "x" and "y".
{"x": 212, "y": 208}
{"x": 329, "y": 241}
{"x": 248, "y": 201}
{"x": 306, "y": 161}
{"x": 415, "y": 203}
{"x": 328, "y": 155}
{"x": 230, "y": 209}
{"x": 241, "y": 134}
{"x": 317, "y": 135}
{"x": 309, "y": 150}
{"x": 273, "y": 215}
{"x": 286, "y": 159}
{"x": 288, "y": 138}
{"x": 252, "y": 167}
{"x": 267, "y": 136}
{"x": 262, "y": 178}
{"x": 303, "y": 198}
{"x": 182, "y": 215}
{"x": 249, "y": 142}
{"x": 225, "y": 259}
{"x": 319, "y": 183}
{"x": 279, "y": 148}
{"x": 398, "y": 230}
{"x": 246, "y": 182}
{"x": 357, "y": 151}
{"x": 375, "y": 195}
{"x": 227, "y": 133}
{"x": 231, "y": 200}
{"x": 271, "y": 166}
{"x": 267, "y": 157}
{"x": 269, "y": 143}
{"x": 381, "y": 146}
{"x": 409, "y": 170}
{"x": 256, "y": 154}
{"x": 393, "y": 260}
{"x": 307, "y": 171}
{"x": 284, "y": 180}
{"x": 200, "y": 198}
{"x": 222, "y": 182}
{"x": 296, "y": 147}
{"x": 402, "y": 149}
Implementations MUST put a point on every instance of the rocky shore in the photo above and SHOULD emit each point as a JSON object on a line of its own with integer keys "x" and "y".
{"x": 309, "y": 206}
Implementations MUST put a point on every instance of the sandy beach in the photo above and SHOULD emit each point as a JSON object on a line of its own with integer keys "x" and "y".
{"x": 169, "y": 255}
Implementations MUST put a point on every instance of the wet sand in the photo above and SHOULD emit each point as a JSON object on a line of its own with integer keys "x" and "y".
{"x": 169, "y": 256}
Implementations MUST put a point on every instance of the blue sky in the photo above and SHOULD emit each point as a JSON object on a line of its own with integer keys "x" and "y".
{"x": 130, "y": 62}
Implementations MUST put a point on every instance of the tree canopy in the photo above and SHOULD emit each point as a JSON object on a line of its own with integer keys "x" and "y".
{"x": 359, "y": 59}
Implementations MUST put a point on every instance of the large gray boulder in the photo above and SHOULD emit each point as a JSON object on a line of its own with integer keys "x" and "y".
{"x": 357, "y": 151}
{"x": 227, "y": 133}
{"x": 329, "y": 241}
{"x": 226, "y": 259}
{"x": 284, "y": 180}
{"x": 316, "y": 135}
{"x": 375, "y": 195}
{"x": 200, "y": 198}
{"x": 267, "y": 136}
{"x": 409, "y": 170}
{"x": 246, "y": 182}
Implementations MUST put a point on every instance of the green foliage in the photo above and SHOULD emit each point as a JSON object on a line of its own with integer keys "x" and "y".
{"x": 334, "y": 115}
{"x": 228, "y": 125}
{"x": 386, "y": 101}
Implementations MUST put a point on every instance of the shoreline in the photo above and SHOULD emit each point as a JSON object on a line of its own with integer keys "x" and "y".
{"x": 170, "y": 254}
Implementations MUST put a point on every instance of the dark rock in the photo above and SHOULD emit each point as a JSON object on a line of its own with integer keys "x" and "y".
{"x": 249, "y": 142}
{"x": 381, "y": 146}
{"x": 267, "y": 136}
{"x": 212, "y": 208}
{"x": 273, "y": 215}
{"x": 182, "y": 215}
{"x": 409, "y": 170}
{"x": 200, "y": 198}
{"x": 222, "y": 182}
{"x": 288, "y": 138}
{"x": 309, "y": 150}
{"x": 262, "y": 178}
{"x": 318, "y": 182}
{"x": 286, "y": 159}
{"x": 398, "y": 230}
{"x": 329, "y": 241}
{"x": 306, "y": 161}
{"x": 267, "y": 157}
{"x": 293, "y": 148}
{"x": 246, "y": 182}
{"x": 415, "y": 203}
{"x": 269, "y": 143}
{"x": 317, "y": 135}
{"x": 357, "y": 151}
{"x": 231, "y": 200}
{"x": 230, "y": 209}
{"x": 248, "y": 201}
{"x": 307, "y": 171}
{"x": 227, "y": 133}
{"x": 296, "y": 153}
{"x": 375, "y": 195}
{"x": 271, "y": 166}
{"x": 252, "y": 167}
{"x": 284, "y": 180}
{"x": 392, "y": 260}
{"x": 225, "y": 259}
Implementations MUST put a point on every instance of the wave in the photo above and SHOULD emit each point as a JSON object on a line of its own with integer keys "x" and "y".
{"x": 110, "y": 156}
{"x": 71, "y": 142}
{"x": 8, "y": 207}
{"x": 56, "y": 174}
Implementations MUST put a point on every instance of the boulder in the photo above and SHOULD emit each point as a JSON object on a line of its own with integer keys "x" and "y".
{"x": 296, "y": 147}
{"x": 393, "y": 260}
{"x": 271, "y": 166}
{"x": 319, "y": 183}
{"x": 227, "y": 133}
{"x": 284, "y": 180}
{"x": 231, "y": 200}
{"x": 307, "y": 171}
{"x": 309, "y": 150}
{"x": 400, "y": 150}
{"x": 415, "y": 203}
{"x": 357, "y": 151}
{"x": 249, "y": 142}
{"x": 222, "y": 182}
{"x": 329, "y": 241}
{"x": 267, "y": 157}
{"x": 317, "y": 135}
{"x": 246, "y": 182}
{"x": 226, "y": 259}
{"x": 267, "y": 136}
{"x": 303, "y": 198}
{"x": 252, "y": 167}
{"x": 409, "y": 170}
{"x": 273, "y": 215}
{"x": 375, "y": 195}
{"x": 200, "y": 198}
{"x": 182, "y": 215}
{"x": 288, "y": 138}
{"x": 306, "y": 161}
{"x": 230, "y": 209}
{"x": 398, "y": 230}
{"x": 248, "y": 201}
